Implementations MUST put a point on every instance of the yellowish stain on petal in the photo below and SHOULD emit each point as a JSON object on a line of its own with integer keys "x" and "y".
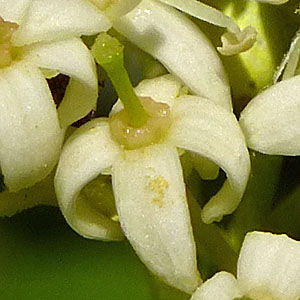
{"x": 158, "y": 186}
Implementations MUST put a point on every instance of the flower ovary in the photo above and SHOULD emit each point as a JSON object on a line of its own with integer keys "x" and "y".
{"x": 153, "y": 131}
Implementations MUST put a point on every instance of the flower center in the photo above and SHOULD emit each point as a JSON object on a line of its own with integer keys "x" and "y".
{"x": 153, "y": 131}
{"x": 7, "y": 51}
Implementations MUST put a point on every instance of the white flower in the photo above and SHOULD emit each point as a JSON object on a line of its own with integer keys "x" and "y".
{"x": 148, "y": 184}
{"x": 45, "y": 41}
{"x": 268, "y": 269}
{"x": 271, "y": 122}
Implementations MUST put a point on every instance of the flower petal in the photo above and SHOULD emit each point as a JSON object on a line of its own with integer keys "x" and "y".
{"x": 206, "y": 169}
{"x": 277, "y": 2}
{"x": 30, "y": 136}
{"x": 152, "y": 207}
{"x": 164, "y": 89}
{"x": 86, "y": 154}
{"x": 41, "y": 193}
{"x": 13, "y": 10}
{"x": 72, "y": 58}
{"x": 271, "y": 122}
{"x": 176, "y": 42}
{"x": 235, "y": 43}
{"x": 222, "y": 286}
{"x": 116, "y": 8}
{"x": 202, "y": 127}
{"x": 269, "y": 264}
{"x": 59, "y": 19}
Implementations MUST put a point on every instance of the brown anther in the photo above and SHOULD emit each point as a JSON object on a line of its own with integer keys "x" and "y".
{"x": 154, "y": 130}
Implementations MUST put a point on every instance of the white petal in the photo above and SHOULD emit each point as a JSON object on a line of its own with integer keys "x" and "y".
{"x": 86, "y": 154}
{"x": 209, "y": 130}
{"x": 204, "y": 12}
{"x": 30, "y": 136}
{"x": 151, "y": 202}
{"x": 177, "y": 43}
{"x": 205, "y": 168}
{"x": 289, "y": 63}
{"x": 13, "y": 10}
{"x": 41, "y": 193}
{"x": 273, "y": 1}
{"x": 59, "y": 19}
{"x": 164, "y": 89}
{"x": 116, "y": 8}
{"x": 222, "y": 286}
{"x": 271, "y": 120}
{"x": 269, "y": 266}
{"x": 72, "y": 58}
{"x": 235, "y": 43}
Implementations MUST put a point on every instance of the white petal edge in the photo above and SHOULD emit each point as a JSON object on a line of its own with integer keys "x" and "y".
{"x": 276, "y": 2}
{"x": 30, "y": 135}
{"x": 204, "y": 12}
{"x": 235, "y": 43}
{"x": 72, "y": 58}
{"x": 206, "y": 169}
{"x": 117, "y": 8}
{"x": 209, "y": 130}
{"x": 180, "y": 46}
{"x": 13, "y": 10}
{"x": 269, "y": 264}
{"x": 163, "y": 89}
{"x": 271, "y": 122}
{"x": 86, "y": 154}
{"x": 222, "y": 286}
{"x": 152, "y": 207}
{"x": 59, "y": 19}
{"x": 42, "y": 193}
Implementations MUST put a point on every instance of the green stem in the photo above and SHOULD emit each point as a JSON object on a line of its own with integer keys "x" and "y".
{"x": 108, "y": 53}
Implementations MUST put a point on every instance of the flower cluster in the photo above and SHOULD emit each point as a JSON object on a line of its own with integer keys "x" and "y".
{"x": 139, "y": 149}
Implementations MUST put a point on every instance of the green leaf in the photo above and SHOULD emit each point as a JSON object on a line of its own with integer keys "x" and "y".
{"x": 42, "y": 258}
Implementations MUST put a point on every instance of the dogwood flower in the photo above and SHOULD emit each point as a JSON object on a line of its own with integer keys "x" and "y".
{"x": 166, "y": 34}
{"x": 38, "y": 39}
{"x": 268, "y": 269}
{"x": 147, "y": 177}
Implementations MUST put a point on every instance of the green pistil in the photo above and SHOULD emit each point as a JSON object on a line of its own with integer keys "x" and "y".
{"x": 108, "y": 53}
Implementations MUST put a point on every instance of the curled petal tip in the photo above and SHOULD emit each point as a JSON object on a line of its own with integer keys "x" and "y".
{"x": 235, "y": 43}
